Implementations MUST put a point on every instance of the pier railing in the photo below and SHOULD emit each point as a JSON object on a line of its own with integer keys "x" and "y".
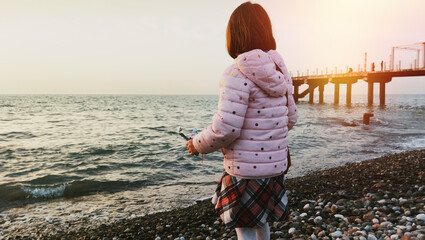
{"x": 349, "y": 77}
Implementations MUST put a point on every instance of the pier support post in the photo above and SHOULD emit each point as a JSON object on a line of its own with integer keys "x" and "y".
{"x": 336, "y": 94}
{"x": 382, "y": 93}
{"x": 366, "y": 118}
{"x": 296, "y": 92}
{"x": 370, "y": 92}
{"x": 349, "y": 93}
{"x": 321, "y": 90}
{"x": 311, "y": 93}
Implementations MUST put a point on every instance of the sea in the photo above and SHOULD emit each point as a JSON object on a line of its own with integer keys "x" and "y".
{"x": 109, "y": 157}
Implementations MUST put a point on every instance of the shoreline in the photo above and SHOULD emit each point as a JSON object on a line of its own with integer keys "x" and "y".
{"x": 347, "y": 200}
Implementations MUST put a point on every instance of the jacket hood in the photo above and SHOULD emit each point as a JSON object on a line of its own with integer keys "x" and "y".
{"x": 260, "y": 67}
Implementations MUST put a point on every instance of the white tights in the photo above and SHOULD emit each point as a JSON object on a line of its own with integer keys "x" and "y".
{"x": 254, "y": 233}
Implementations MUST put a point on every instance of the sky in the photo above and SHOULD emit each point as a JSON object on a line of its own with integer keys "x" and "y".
{"x": 179, "y": 47}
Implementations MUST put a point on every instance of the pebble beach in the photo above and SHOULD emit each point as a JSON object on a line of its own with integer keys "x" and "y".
{"x": 381, "y": 198}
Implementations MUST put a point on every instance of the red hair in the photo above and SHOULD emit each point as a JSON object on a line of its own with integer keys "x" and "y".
{"x": 249, "y": 28}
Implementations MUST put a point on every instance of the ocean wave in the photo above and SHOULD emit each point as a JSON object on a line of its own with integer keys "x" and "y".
{"x": 350, "y": 123}
{"x": 415, "y": 143}
{"x": 7, "y": 154}
{"x": 92, "y": 152}
{"x": 93, "y": 170}
{"x": 21, "y": 173}
{"x": 6, "y": 105}
{"x": 16, "y": 194}
{"x": 44, "y": 192}
{"x": 53, "y": 179}
{"x": 374, "y": 121}
{"x": 380, "y": 121}
{"x": 159, "y": 128}
{"x": 100, "y": 151}
{"x": 16, "y": 135}
{"x": 87, "y": 187}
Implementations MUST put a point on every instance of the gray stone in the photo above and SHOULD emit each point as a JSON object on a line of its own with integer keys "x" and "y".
{"x": 368, "y": 228}
{"x": 402, "y": 201}
{"x": 367, "y": 203}
{"x": 408, "y": 234}
{"x": 160, "y": 229}
{"x": 336, "y": 234}
{"x": 318, "y": 220}
{"x": 371, "y": 237}
{"x": 394, "y": 237}
{"x": 386, "y": 224}
{"x": 420, "y": 217}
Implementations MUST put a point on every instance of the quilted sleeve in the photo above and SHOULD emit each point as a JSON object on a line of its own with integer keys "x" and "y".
{"x": 292, "y": 108}
{"x": 228, "y": 121}
{"x": 292, "y": 112}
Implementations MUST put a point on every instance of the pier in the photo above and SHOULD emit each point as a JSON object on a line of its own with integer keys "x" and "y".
{"x": 349, "y": 78}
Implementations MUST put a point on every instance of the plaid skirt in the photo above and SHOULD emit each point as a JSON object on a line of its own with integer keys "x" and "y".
{"x": 251, "y": 202}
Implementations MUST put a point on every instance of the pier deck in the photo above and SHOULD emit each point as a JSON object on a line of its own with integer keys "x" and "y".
{"x": 350, "y": 78}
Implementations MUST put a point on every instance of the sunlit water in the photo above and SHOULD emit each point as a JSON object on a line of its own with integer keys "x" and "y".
{"x": 121, "y": 154}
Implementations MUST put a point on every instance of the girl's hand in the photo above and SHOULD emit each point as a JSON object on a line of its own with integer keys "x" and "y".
{"x": 191, "y": 148}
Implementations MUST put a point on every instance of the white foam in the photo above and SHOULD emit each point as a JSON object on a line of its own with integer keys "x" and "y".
{"x": 350, "y": 122}
{"x": 414, "y": 143}
{"x": 381, "y": 122}
{"x": 204, "y": 198}
{"x": 44, "y": 192}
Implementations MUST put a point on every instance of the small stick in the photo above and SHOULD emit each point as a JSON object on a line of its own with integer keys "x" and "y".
{"x": 179, "y": 131}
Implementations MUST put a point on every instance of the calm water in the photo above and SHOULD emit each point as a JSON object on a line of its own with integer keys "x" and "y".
{"x": 57, "y": 147}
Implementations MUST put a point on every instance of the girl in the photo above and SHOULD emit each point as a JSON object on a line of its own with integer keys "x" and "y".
{"x": 255, "y": 112}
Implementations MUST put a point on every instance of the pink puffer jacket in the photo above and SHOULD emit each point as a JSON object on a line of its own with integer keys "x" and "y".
{"x": 252, "y": 122}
